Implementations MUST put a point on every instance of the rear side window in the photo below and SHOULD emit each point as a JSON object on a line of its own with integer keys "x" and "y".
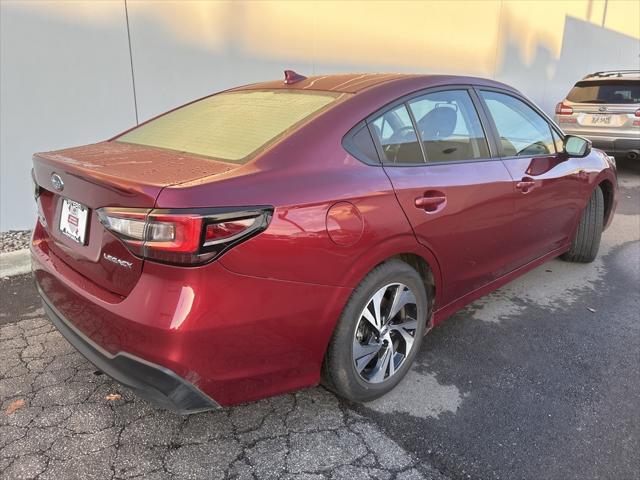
{"x": 230, "y": 126}
{"x": 606, "y": 91}
{"x": 449, "y": 126}
{"x": 523, "y": 131}
{"x": 360, "y": 145}
{"x": 394, "y": 129}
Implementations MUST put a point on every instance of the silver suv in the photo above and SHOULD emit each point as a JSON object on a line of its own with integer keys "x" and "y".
{"x": 605, "y": 108}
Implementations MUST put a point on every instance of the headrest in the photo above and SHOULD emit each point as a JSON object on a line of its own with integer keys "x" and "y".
{"x": 439, "y": 123}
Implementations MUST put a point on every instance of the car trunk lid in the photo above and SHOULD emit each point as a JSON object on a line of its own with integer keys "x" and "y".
{"x": 106, "y": 174}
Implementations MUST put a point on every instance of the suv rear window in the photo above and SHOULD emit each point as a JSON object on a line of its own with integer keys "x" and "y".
{"x": 230, "y": 126}
{"x": 605, "y": 91}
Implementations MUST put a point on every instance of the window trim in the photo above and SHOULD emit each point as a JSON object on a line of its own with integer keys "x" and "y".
{"x": 414, "y": 122}
{"x": 405, "y": 99}
{"x": 494, "y": 130}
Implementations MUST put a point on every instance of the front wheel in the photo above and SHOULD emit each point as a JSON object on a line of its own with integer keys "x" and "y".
{"x": 586, "y": 241}
{"x": 378, "y": 334}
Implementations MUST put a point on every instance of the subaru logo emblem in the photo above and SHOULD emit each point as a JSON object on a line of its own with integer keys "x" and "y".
{"x": 603, "y": 109}
{"x": 57, "y": 182}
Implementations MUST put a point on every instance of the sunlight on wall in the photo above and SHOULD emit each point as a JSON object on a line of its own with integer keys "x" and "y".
{"x": 174, "y": 51}
{"x": 96, "y": 13}
{"x": 542, "y": 22}
{"x": 417, "y": 35}
{"x": 454, "y": 36}
{"x": 200, "y": 23}
{"x": 623, "y": 16}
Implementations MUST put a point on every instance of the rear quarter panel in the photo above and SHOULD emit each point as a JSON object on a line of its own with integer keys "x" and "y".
{"x": 297, "y": 245}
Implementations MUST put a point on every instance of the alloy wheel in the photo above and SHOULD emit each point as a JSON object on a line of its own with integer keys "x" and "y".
{"x": 385, "y": 333}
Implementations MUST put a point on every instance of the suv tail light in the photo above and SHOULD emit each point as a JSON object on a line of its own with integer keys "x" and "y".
{"x": 184, "y": 237}
{"x": 562, "y": 109}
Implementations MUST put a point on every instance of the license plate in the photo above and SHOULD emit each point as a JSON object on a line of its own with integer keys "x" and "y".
{"x": 73, "y": 220}
{"x": 598, "y": 119}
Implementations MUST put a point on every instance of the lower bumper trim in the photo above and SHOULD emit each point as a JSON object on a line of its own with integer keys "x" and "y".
{"x": 155, "y": 383}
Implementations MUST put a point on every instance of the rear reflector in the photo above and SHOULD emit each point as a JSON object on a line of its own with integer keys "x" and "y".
{"x": 125, "y": 227}
{"x": 562, "y": 109}
{"x": 184, "y": 237}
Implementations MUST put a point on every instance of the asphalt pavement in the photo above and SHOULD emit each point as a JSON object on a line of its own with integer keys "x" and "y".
{"x": 539, "y": 380}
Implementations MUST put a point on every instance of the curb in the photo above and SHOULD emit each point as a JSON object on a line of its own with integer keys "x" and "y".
{"x": 15, "y": 263}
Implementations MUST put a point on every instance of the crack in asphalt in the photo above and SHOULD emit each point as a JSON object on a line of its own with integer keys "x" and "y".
{"x": 67, "y": 428}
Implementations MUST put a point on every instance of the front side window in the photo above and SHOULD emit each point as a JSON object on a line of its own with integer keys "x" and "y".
{"x": 523, "y": 131}
{"x": 230, "y": 126}
{"x": 394, "y": 129}
{"x": 449, "y": 126}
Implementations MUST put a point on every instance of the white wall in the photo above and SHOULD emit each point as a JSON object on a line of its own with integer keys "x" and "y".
{"x": 66, "y": 74}
{"x": 62, "y": 83}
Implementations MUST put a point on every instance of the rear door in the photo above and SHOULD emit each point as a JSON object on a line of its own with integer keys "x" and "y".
{"x": 547, "y": 185}
{"x": 456, "y": 195}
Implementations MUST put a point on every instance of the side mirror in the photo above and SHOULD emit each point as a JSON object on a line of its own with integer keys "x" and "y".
{"x": 575, "y": 146}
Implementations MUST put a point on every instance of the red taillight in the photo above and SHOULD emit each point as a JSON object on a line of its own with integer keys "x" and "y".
{"x": 562, "y": 109}
{"x": 216, "y": 232}
{"x": 173, "y": 233}
{"x": 180, "y": 237}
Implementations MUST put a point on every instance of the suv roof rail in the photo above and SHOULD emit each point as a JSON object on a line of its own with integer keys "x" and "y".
{"x": 612, "y": 73}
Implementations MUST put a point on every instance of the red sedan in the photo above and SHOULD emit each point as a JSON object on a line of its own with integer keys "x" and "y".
{"x": 278, "y": 235}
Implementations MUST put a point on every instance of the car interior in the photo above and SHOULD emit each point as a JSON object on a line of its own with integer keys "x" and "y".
{"x": 437, "y": 130}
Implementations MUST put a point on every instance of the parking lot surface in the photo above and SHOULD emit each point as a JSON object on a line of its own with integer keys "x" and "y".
{"x": 540, "y": 379}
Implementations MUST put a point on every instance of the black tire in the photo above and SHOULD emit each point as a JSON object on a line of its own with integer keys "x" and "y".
{"x": 586, "y": 241}
{"x": 339, "y": 373}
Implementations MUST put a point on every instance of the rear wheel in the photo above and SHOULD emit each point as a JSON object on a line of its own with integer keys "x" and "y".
{"x": 586, "y": 241}
{"x": 378, "y": 334}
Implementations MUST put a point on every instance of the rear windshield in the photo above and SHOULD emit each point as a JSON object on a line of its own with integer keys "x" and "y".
{"x": 230, "y": 126}
{"x": 606, "y": 91}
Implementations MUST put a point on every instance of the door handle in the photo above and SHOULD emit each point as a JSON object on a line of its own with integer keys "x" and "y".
{"x": 526, "y": 184}
{"x": 431, "y": 201}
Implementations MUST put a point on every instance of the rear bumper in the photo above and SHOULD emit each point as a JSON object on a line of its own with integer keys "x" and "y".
{"x": 234, "y": 338}
{"x": 155, "y": 383}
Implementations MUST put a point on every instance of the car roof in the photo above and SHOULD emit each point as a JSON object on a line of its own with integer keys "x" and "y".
{"x": 354, "y": 83}
{"x": 615, "y": 75}
{"x": 342, "y": 83}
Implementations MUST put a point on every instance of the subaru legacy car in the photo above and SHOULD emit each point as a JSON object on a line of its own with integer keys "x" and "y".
{"x": 605, "y": 108}
{"x": 282, "y": 234}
